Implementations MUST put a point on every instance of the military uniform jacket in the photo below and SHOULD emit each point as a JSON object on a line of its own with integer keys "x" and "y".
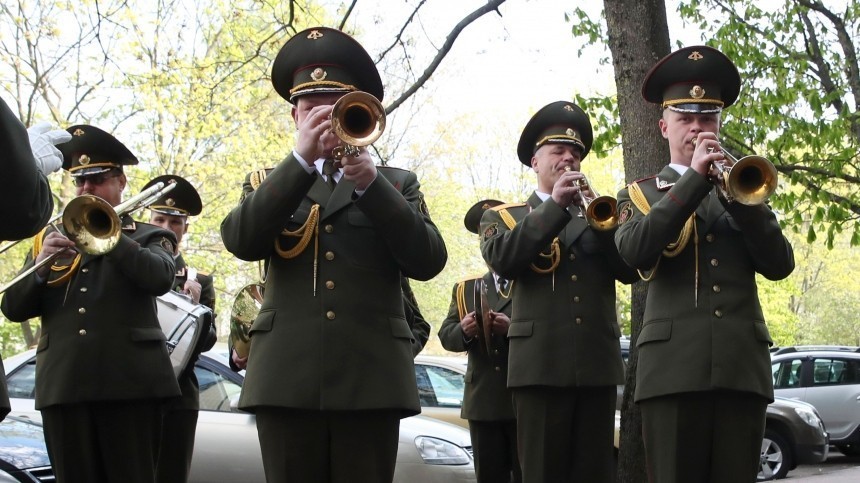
{"x": 101, "y": 340}
{"x": 338, "y": 340}
{"x": 27, "y": 202}
{"x": 721, "y": 341}
{"x": 564, "y": 331}
{"x": 187, "y": 380}
{"x": 486, "y": 397}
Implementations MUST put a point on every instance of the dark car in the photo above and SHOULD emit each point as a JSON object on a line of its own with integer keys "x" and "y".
{"x": 794, "y": 433}
{"x": 23, "y": 456}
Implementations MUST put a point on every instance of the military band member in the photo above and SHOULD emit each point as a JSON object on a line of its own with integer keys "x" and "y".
{"x": 703, "y": 380}
{"x": 102, "y": 368}
{"x": 172, "y": 212}
{"x": 330, "y": 370}
{"x": 564, "y": 359}
{"x": 487, "y": 400}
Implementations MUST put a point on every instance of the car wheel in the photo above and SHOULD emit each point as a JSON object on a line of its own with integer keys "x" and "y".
{"x": 776, "y": 456}
{"x": 849, "y": 449}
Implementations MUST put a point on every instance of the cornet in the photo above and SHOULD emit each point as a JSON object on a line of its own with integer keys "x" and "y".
{"x": 749, "y": 180}
{"x": 600, "y": 212}
{"x": 357, "y": 119}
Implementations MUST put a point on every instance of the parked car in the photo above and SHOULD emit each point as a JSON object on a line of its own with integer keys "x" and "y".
{"x": 23, "y": 455}
{"x": 226, "y": 448}
{"x": 828, "y": 377}
{"x": 794, "y": 433}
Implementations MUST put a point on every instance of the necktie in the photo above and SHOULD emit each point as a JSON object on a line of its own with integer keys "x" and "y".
{"x": 503, "y": 284}
{"x": 328, "y": 170}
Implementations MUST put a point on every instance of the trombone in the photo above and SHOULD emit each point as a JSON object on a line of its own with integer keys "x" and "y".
{"x": 358, "y": 120}
{"x": 601, "y": 212}
{"x": 94, "y": 225}
{"x": 749, "y": 181}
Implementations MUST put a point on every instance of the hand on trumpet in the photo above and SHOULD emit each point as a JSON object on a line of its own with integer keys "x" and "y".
{"x": 360, "y": 169}
{"x": 706, "y": 152}
{"x": 53, "y": 243}
{"x": 313, "y": 121}
{"x": 570, "y": 188}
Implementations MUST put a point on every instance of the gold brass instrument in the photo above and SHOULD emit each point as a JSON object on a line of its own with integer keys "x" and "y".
{"x": 94, "y": 225}
{"x": 601, "y": 212}
{"x": 749, "y": 180}
{"x": 358, "y": 119}
{"x": 246, "y": 306}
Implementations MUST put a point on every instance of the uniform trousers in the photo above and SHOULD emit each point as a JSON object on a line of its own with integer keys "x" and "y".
{"x": 565, "y": 434}
{"x": 328, "y": 446}
{"x": 707, "y": 437}
{"x": 177, "y": 445}
{"x": 494, "y": 444}
{"x": 103, "y": 442}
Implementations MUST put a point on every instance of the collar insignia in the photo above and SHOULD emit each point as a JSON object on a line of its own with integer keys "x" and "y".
{"x": 662, "y": 184}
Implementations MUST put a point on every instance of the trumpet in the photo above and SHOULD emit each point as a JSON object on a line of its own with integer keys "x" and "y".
{"x": 358, "y": 120}
{"x": 94, "y": 225}
{"x": 749, "y": 180}
{"x": 601, "y": 212}
{"x": 246, "y": 306}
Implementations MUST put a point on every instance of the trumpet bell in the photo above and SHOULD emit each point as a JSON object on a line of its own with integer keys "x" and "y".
{"x": 246, "y": 306}
{"x": 358, "y": 118}
{"x": 602, "y": 213}
{"x": 751, "y": 180}
{"x": 92, "y": 223}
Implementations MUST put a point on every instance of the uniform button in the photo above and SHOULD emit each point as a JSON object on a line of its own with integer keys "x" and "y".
{"x": 572, "y": 257}
{"x": 85, "y": 270}
{"x": 714, "y": 262}
{"x": 576, "y": 299}
{"x": 498, "y": 369}
{"x": 329, "y": 284}
{"x": 717, "y": 289}
{"x": 709, "y": 237}
{"x": 330, "y": 315}
{"x": 82, "y": 310}
{"x": 329, "y": 228}
{"x": 579, "y": 320}
{"x": 329, "y": 255}
{"x": 83, "y": 289}
{"x": 718, "y": 313}
{"x": 82, "y": 332}
{"x": 496, "y": 351}
{"x": 573, "y": 278}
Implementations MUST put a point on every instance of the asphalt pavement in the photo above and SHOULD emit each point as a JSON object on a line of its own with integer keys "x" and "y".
{"x": 848, "y": 475}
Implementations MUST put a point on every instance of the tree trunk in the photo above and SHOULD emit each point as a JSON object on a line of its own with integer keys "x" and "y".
{"x": 638, "y": 38}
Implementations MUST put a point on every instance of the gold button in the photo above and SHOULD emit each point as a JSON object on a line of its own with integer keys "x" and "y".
{"x": 329, "y": 284}
{"x": 573, "y": 278}
{"x": 82, "y": 310}
{"x": 579, "y": 320}
{"x": 714, "y": 262}
{"x": 576, "y": 299}
{"x": 85, "y": 270}
{"x": 329, "y": 255}
{"x": 717, "y": 289}
{"x": 82, "y": 332}
{"x": 83, "y": 289}
{"x": 330, "y": 315}
{"x": 718, "y": 313}
{"x": 329, "y": 228}
{"x": 709, "y": 237}
{"x": 572, "y": 257}
{"x": 498, "y": 369}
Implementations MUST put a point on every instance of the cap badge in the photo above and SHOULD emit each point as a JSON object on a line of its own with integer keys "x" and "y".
{"x": 318, "y": 74}
{"x": 315, "y": 34}
{"x": 78, "y": 132}
{"x": 485, "y": 206}
{"x": 695, "y": 56}
{"x": 84, "y": 160}
{"x": 169, "y": 202}
{"x": 568, "y": 107}
{"x": 570, "y": 132}
{"x": 697, "y": 92}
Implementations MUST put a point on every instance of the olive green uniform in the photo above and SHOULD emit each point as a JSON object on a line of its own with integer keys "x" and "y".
{"x": 703, "y": 337}
{"x": 565, "y": 357}
{"x": 331, "y": 344}
{"x": 180, "y": 419}
{"x": 102, "y": 367}
{"x": 486, "y": 400}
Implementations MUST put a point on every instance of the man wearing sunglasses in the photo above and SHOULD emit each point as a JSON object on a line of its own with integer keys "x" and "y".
{"x": 102, "y": 368}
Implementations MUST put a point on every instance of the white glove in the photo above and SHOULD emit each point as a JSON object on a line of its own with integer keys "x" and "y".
{"x": 43, "y": 141}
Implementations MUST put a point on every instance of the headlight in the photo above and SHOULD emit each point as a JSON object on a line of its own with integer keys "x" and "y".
{"x": 808, "y": 417}
{"x": 436, "y": 451}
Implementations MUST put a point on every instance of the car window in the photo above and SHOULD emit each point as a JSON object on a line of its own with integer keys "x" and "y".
{"x": 828, "y": 371}
{"x": 786, "y": 374}
{"x": 22, "y": 383}
{"x": 439, "y": 387}
{"x": 216, "y": 392}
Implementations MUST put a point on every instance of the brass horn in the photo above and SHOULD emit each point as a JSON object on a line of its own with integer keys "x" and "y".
{"x": 246, "y": 306}
{"x": 749, "y": 180}
{"x": 94, "y": 225}
{"x": 601, "y": 212}
{"x": 357, "y": 119}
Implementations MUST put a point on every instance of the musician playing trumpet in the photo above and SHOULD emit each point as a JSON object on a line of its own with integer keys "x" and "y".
{"x": 703, "y": 380}
{"x": 102, "y": 368}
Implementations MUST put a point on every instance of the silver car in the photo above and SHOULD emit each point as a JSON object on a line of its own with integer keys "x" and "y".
{"x": 227, "y": 450}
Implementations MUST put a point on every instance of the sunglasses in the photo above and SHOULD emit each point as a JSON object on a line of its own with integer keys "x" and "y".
{"x": 96, "y": 179}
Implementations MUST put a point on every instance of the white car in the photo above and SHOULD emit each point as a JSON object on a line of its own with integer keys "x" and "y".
{"x": 227, "y": 450}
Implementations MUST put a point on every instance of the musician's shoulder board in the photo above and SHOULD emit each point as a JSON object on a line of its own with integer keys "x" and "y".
{"x": 255, "y": 178}
{"x": 505, "y": 206}
{"x": 470, "y": 278}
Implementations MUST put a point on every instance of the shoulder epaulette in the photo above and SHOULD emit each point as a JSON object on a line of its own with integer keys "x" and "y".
{"x": 644, "y": 179}
{"x": 504, "y": 206}
{"x": 257, "y": 177}
{"x": 472, "y": 277}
